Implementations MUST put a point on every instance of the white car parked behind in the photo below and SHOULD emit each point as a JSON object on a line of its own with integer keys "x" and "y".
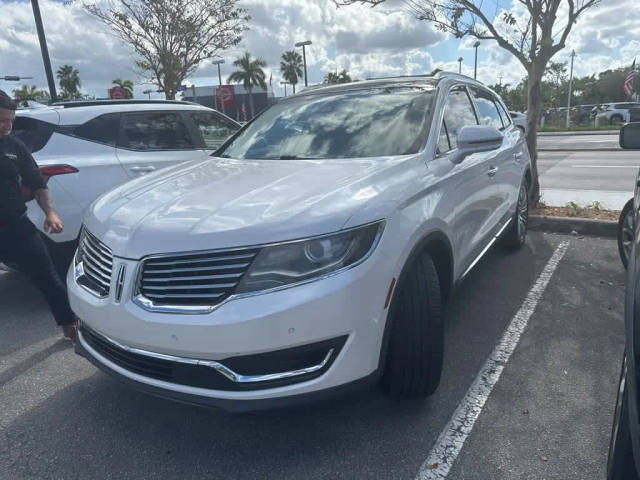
{"x": 315, "y": 251}
{"x": 615, "y": 113}
{"x": 87, "y": 148}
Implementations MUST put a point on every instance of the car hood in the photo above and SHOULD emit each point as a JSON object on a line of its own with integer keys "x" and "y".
{"x": 222, "y": 203}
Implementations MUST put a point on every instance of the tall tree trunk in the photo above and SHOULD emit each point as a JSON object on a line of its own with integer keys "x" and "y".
{"x": 294, "y": 88}
{"x": 534, "y": 110}
{"x": 250, "y": 102}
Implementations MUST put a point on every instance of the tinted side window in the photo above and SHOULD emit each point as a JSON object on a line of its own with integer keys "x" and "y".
{"x": 458, "y": 113}
{"x": 487, "y": 109}
{"x": 506, "y": 116}
{"x": 155, "y": 131}
{"x": 102, "y": 129}
{"x": 214, "y": 130}
{"x": 34, "y": 133}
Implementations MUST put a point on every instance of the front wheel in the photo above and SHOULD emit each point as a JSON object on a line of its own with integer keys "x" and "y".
{"x": 620, "y": 463}
{"x": 416, "y": 343}
{"x": 516, "y": 235}
{"x": 616, "y": 119}
{"x": 626, "y": 229}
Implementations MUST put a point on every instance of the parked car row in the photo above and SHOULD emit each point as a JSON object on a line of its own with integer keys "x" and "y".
{"x": 613, "y": 113}
{"x": 312, "y": 252}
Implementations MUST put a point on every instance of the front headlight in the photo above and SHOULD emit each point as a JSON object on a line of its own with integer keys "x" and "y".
{"x": 302, "y": 260}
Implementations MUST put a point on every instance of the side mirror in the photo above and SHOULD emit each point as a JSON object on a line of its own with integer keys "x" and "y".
{"x": 475, "y": 139}
{"x": 630, "y": 136}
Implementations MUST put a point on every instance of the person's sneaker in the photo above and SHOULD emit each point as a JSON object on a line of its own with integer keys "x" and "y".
{"x": 71, "y": 331}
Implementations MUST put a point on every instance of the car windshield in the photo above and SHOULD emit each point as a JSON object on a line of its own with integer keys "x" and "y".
{"x": 362, "y": 123}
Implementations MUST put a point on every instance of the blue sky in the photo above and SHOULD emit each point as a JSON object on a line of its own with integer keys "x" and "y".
{"x": 383, "y": 41}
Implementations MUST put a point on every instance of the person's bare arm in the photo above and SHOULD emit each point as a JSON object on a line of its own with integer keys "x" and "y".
{"x": 52, "y": 222}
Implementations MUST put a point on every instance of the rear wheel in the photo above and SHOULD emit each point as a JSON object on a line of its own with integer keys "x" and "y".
{"x": 516, "y": 235}
{"x": 625, "y": 232}
{"x": 620, "y": 464}
{"x": 416, "y": 343}
{"x": 616, "y": 119}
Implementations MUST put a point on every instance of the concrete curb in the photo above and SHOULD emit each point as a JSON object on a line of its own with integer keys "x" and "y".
{"x": 582, "y": 226}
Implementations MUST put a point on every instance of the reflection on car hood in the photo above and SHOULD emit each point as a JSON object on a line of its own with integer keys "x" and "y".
{"x": 221, "y": 203}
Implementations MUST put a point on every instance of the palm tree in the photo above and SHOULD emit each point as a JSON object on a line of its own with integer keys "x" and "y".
{"x": 69, "y": 79}
{"x": 291, "y": 67}
{"x": 26, "y": 93}
{"x": 126, "y": 85}
{"x": 250, "y": 74}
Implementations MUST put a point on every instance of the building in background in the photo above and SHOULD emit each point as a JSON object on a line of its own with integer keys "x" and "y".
{"x": 234, "y": 97}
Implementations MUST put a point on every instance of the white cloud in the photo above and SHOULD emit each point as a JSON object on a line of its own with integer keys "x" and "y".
{"x": 72, "y": 37}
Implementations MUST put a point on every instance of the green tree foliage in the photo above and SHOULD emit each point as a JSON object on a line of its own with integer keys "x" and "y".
{"x": 595, "y": 89}
{"x": 69, "y": 80}
{"x": 25, "y": 93}
{"x": 291, "y": 67}
{"x": 337, "y": 77}
{"x": 126, "y": 85}
{"x": 172, "y": 37}
{"x": 250, "y": 74}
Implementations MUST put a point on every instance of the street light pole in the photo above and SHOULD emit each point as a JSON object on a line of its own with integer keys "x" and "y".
{"x": 218, "y": 63}
{"x": 304, "y": 58}
{"x": 475, "y": 66}
{"x": 568, "y": 122}
{"x": 285, "y": 87}
{"x": 460, "y": 65}
{"x": 44, "y": 49}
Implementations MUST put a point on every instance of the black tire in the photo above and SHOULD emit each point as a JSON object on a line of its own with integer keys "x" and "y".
{"x": 516, "y": 234}
{"x": 620, "y": 463}
{"x": 615, "y": 119}
{"x": 416, "y": 344}
{"x": 625, "y": 232}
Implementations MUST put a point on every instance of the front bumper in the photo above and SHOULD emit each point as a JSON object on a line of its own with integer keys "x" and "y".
{"x": 226, "y": 404}
{"x": 344, "y": 313}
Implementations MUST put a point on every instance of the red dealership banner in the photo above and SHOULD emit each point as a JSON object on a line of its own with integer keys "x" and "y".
{"x": 225, "y": 96}
{"x": 117, "y": 93}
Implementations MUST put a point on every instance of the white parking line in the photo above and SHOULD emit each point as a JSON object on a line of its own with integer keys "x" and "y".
{"x": 605, "y": 166}
{"x": 452, "y": 438}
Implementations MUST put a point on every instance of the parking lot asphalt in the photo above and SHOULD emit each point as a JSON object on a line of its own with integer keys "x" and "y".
{"x": 548, "y": 416}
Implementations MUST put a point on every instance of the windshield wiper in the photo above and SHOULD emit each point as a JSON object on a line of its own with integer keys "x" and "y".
{"x": 295, "y": 157}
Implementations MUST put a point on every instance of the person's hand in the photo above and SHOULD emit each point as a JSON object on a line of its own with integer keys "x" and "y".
{"x": 52, "y": 223}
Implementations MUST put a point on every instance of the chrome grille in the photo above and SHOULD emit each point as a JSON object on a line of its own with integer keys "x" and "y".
{"x": 97, "y": 263}
{"x": 202, "y": 279}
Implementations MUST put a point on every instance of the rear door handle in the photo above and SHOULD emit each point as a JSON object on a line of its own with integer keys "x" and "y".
{"x": 517, "y": 155}
{"x": 145, "y": 169}
{"x": 492, "y": 171}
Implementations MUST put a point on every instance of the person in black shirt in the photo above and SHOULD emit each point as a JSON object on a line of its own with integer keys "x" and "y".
{"x": 20, "y": 241}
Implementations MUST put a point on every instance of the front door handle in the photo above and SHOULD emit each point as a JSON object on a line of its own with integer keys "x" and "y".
{"x": 145, "y": 169}
{"x": 492, "y": 171}
{"x": 517, "y": 155}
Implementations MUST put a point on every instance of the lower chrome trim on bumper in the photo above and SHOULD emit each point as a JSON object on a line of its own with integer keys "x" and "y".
{"x": 217, "y": 366}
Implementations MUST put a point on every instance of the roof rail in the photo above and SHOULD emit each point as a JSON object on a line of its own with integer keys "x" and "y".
{"x": 443, "y": 73}
{"x": 401, "y": 76}
{"x": 91, "y": 103}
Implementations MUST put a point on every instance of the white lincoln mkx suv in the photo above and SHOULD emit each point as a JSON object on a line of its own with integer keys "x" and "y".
{"x": 313, "y": 252}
